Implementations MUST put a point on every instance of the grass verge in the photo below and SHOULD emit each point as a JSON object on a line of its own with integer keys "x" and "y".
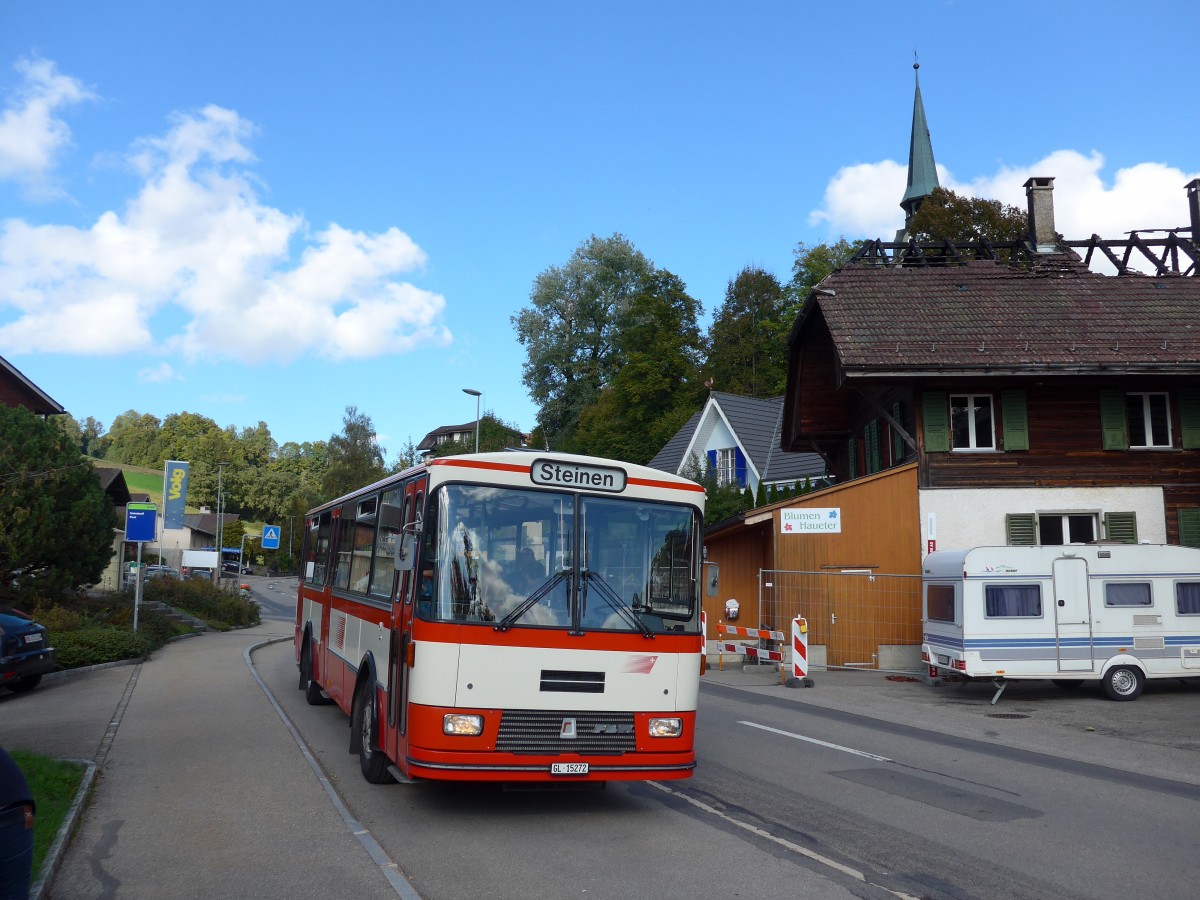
{"x": 54, "y": 783}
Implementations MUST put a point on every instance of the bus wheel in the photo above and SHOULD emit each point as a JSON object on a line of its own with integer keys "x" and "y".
{"x": 312, "y": 690}
{"x": 371, "y": 760}
{"x": 1124, "y": 682}
{"x": 1067, "y": 682}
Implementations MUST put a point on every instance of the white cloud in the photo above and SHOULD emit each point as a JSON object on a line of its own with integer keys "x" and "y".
{"x": 31, "y": 135}
{"x": 197, "y": 238}
{"x": 863, "y": 201}
{"x": 161, "y": 372}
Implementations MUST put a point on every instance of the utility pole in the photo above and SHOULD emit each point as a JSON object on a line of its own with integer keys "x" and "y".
{"x": 220, "y": 523}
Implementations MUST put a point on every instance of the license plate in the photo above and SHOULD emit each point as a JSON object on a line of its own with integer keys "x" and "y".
{"x": 33, "y": 638}
{"x": 943, "y": 660}
{"x": 568, "y": 768}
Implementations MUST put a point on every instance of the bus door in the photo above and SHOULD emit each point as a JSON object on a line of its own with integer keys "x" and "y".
{"x": 403, "y": 604}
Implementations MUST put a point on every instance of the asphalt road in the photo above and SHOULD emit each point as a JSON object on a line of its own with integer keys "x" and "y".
{"x": 864, "y": 786}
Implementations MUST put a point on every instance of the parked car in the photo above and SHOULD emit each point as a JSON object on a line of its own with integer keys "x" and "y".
{"x": 232, "y": 568}
{"x": 25, "y": 653}
{"x": 162, "y": 572}
{"x": 195, "y": 572}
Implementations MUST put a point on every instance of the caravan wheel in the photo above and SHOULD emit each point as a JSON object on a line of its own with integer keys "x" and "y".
{"x": 1124, "y": 682}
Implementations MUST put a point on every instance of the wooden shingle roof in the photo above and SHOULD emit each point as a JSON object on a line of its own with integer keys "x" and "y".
{"x": 990, "y": 318}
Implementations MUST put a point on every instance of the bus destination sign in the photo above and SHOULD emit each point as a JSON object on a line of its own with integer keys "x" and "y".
{"x": 556, "y": 473}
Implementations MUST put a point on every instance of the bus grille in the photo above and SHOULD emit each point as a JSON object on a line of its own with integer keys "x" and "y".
{"x": 540, "y": 731}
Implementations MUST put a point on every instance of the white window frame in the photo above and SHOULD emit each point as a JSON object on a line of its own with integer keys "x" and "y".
{"x": 972, "y": 403}
{"x": 1066, "y": 529}
{"x": 726, "y": 466}
{"x": 1147, "y": 427}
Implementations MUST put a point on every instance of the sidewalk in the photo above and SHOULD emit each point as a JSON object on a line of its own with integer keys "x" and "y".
{"x": 202, "y": 792}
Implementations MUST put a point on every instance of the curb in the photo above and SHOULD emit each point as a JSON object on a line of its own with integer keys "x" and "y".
{"x": 54, "y": 857}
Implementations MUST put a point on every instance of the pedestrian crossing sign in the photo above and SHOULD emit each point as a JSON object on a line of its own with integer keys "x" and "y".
{"x": 270, "y": 537}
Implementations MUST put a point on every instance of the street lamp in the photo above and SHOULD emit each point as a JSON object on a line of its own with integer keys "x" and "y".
{"x": 474, "y": 393}
{"x": 242, "y": 555}
{"x": 220, "y": 522}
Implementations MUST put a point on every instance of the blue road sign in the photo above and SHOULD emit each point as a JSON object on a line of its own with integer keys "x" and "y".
{"x": 141, "y": 522}
{"x": 270, "y": 537}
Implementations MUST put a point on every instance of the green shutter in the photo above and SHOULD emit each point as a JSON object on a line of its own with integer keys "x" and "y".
{"x": 935, "y": 409}
{"x": 1021, "y": 528}
{"x": 1016, "y": 420}
{"x": 1120, "y": 526}
{"x": 898, "y": 449}
{"x": 1112, "y": 420}
{"x": 871, "y": 436}
{"x": 1189, "y": 415}
{"x": 1189, "y": 527}
{"x": 851, "y": 459}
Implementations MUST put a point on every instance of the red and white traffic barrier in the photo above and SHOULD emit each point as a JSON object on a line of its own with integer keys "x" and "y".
{"x": 703, "y": 642}
{"x": 799, "y": 654}
{"x": 760, "y": 654}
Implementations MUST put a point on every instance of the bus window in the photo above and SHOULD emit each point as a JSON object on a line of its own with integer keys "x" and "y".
{"x": 391, "y": 514}
{"x": 316, "y": 558}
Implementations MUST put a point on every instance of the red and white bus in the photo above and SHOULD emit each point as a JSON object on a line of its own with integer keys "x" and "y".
{"x": 509, "y": 616}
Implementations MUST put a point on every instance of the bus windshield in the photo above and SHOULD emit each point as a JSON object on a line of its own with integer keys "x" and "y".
{"x": 508, "y": 557}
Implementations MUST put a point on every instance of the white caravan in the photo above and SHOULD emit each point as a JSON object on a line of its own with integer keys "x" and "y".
{"x": 1121, "y": 613}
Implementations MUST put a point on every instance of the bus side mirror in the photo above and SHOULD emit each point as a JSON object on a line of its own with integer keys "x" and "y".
{"x": 406, "y": 547}
{"x": 712, "y": 578}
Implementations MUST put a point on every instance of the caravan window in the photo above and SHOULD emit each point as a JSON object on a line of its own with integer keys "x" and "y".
{"x": 1127, "y": 594}
{"x": 1187, "y": 598}
{"x": 1022, "y": 601}
{"x": 939, "y": 602}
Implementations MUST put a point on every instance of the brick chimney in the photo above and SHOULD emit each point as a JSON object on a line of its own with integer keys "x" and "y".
{"x": 1193, "y": 189}
{"x": 1040, "y": 194}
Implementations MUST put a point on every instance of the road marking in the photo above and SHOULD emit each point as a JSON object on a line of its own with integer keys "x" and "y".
{"x": 783, "y": 842}
{"x": 800, "y": 737}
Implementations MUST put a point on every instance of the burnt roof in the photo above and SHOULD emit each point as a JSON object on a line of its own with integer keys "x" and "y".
{"x": 992, "y": 318}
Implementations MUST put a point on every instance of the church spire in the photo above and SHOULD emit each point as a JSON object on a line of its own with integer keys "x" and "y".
{"x": 922, "y": 174}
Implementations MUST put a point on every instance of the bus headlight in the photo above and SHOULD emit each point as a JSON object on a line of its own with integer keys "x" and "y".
{"x": 668, "y": 728}
{"x": 457, "y": 723}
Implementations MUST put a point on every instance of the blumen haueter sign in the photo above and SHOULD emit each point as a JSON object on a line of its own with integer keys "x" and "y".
{"x": 810, "y": 520}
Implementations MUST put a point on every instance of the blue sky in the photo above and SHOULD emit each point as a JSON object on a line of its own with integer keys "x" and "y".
{"x": 271, "y": 211}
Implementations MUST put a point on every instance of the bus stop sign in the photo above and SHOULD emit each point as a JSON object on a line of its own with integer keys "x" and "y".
{"x": 141, "y": 522}
{"x": 270, "y": 537}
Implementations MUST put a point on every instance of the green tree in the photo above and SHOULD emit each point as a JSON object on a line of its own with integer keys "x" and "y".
{"x": 950, "y": 216}
{"x": 133, "y": 439}
{"x": 657, "y": 388}
{"x": 569, "y": 329}
{"x": 407, "y": 457}
{"x": 721, "y": 502}
{"x": 813, "y": 264}
{"x": 748, "y": 336}
{"x": 355, "y": 457}
{"x": 56, "y": 524}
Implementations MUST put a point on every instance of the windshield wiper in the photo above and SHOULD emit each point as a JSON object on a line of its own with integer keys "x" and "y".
{"x": 614, "y": 600}
{"x": 531, "y": 601}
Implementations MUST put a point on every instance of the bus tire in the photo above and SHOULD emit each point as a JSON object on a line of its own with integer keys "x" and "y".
{"x": 1124, "y": 682}
{"x": 371, "y": 761}
{"x": 1067, "y": 682}
{"x": 312, "y": 690}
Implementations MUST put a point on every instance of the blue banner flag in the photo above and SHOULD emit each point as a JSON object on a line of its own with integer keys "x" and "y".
{"x": 175, "y": 481}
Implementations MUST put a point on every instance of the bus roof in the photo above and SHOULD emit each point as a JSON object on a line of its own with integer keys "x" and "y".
{"x": 547, "y": 469}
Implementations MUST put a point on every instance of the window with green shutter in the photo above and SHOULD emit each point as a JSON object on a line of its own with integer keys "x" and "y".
{"x": 1016, "y": 420}
{"x": 1120, "y": 526}
{"x": 1112, "y": 420}
{"x": 1189, "y": 527}
{"x": 851, "y": 459}
{"x": 935, "y": 416}
{"x": 1021, "y": 528}
{"x": 1189, "y": 417}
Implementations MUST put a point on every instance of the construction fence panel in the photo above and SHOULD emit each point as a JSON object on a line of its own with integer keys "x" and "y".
{"x": 859, "y": 620}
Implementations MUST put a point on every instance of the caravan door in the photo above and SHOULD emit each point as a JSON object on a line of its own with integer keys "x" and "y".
{"x": 1072, "y": 615}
